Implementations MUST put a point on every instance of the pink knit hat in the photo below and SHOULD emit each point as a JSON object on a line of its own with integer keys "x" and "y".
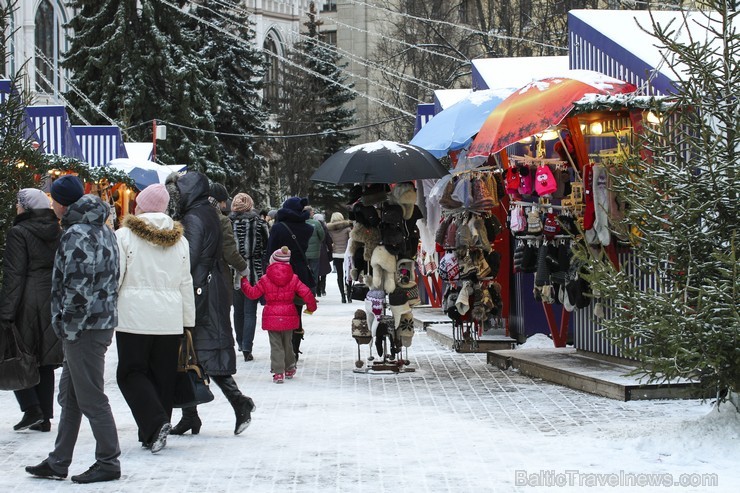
{"x": 282, "y": 255}
{"x": 153, "y": 198}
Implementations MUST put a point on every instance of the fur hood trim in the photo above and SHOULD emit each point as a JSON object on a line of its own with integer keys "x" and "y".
{"x": 147, "y": 231}
{"x": 338, "y": 225}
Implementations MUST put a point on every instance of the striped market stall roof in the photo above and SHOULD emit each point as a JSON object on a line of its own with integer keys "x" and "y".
{"x": 55, "y": 133}
{"x": 615, "y": 43}
{"x": 100, "y": 143}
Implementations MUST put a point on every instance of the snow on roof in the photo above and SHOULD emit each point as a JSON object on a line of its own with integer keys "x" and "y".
{"x": 490, "y": 73}
{"x": 444, "y": 98}
{"x": 626, "y": 28}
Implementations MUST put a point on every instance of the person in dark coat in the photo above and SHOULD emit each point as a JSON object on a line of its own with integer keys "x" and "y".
{"x": 325, "y": 251}
{"x": 291, "y": 222}
{"x": 212, "y": 337}
{"x": 26, "y": 299}
{"x": 231, "y": 259}
{"x": 250, "y": 233}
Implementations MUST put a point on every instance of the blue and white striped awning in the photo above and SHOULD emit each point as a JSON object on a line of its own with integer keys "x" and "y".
{"x": 100, "y": 143}
{"x": 54, "y": 131}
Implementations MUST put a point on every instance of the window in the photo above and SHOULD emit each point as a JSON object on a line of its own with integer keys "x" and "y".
{"x": 329, "y": 6}
{"x": 329, "y": 37}
{"x": 46, "y": 40}
{"x": 272, "y": 75}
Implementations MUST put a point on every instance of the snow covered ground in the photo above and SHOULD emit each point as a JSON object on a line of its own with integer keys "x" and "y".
{"x": 455, "y": 425}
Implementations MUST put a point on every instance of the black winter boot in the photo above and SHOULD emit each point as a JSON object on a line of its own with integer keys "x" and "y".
{"x": 190, "y": 422}
{"x": 243, "y": 405}
{"x": 31, "y": 417}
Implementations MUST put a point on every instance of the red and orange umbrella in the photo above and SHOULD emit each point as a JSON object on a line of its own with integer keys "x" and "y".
{"x": 539, "y": 105}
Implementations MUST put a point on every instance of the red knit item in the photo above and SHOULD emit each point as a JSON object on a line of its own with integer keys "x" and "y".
{"x": 589, "y": 214}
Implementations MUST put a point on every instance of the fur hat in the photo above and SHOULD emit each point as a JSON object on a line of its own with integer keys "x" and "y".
{"x": 375, "y": 193}
{"x": 404, "y": 194}
{"x": 384, "y": 269}
{"x": 281, "y": 255}
{"x": 67, "y": 189}
{"x": 369, "y": 237}
{"x": 153, "y": 198}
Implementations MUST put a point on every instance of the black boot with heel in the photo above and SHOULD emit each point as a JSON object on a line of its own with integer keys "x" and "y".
{"x": 190, "y": 422}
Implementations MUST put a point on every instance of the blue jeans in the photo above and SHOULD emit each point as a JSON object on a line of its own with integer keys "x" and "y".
{"x": 245, "y": 320}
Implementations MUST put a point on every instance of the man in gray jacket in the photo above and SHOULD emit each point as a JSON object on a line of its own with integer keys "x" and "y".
{"x": 83, "y": 310}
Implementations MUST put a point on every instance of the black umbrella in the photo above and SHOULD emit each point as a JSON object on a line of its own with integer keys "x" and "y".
{"x": 383, "y": 161}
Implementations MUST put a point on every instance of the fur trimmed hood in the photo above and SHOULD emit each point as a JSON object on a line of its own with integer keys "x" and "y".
{"x": 338, "y": 225}
{"x": 155, "y": 227}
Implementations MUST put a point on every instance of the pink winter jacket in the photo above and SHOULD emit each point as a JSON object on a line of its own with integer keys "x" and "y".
{"x": 278, "y": 285}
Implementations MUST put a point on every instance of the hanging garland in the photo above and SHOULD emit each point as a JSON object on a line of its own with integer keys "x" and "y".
{"x": 52, "y": 162}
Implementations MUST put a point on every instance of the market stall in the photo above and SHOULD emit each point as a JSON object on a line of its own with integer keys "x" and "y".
{"x": 383, "y": 244}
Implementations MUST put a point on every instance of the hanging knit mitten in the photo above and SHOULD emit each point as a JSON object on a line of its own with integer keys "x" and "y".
{"x": 534, "y": 222}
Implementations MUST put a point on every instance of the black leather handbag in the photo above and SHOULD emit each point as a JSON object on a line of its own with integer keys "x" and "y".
{"x": 191, "y": 384}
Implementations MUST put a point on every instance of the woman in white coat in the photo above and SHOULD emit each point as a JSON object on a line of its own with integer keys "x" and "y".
{"x": 155, "y": 302}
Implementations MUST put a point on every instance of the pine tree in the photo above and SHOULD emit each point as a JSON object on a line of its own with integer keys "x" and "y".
{"x": 137, "y": 62}
{"x": 681, "y": 317}
{"x": 19, "y": 161}
{"x": 236, "y": 68}
{"x": 315, "y": 93}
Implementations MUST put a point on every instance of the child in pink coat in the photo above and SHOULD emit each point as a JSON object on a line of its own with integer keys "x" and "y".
{"x": 279, "y": 316}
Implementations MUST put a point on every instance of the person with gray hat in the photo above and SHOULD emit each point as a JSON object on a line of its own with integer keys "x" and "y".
{"x": 25, "y": 300}
{"x": 84, "y": 295}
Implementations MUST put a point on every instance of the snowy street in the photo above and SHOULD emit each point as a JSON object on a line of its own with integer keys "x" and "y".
{"x": 455, "y": 425}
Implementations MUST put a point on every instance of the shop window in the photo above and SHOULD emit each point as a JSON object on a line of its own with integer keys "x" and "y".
{"x": 329, "y": 6}
{"x": 47, "y": 47}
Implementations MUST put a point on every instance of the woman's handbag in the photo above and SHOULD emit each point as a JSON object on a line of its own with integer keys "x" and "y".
{"x": 19, "y": 368}
{"x": 191, "y": 383}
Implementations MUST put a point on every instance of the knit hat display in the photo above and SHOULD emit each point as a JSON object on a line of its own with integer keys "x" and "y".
{"x": 397, "y": 311}
{"x": 360, "y": 330}
{"x": 534, "y": 222}
{"x": 242, "y": 203}
{"x": 219, "y": 192}
{"x": 551, "y": 228}
{"x": 33, "y": 198}
{"x": 153, "y": 198}
{"x": 67, "y": 190}
{"x": 281, "y": 255}
{"x": 526, "y": 180}
{"x": 545, "y": 183}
